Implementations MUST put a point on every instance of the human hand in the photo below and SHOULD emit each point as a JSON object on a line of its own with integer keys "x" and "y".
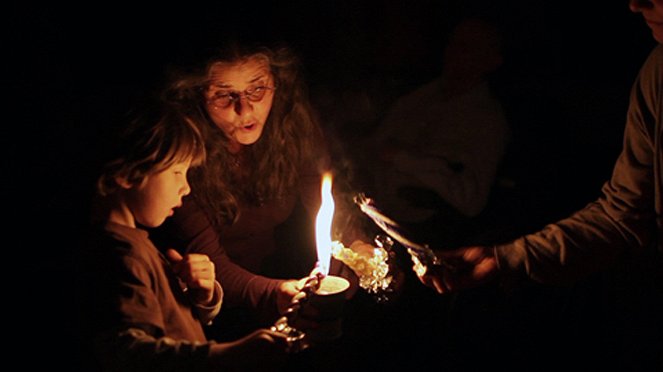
{"x": 261, "y": 350}
{"x": 285, "y": 293}
{"x": 319, "y": 307}
{"x": 197, "y": 272}
{"x": 290, "y": 291}
{"x": 307, "y": 310}
{"x": 467, "y": 267}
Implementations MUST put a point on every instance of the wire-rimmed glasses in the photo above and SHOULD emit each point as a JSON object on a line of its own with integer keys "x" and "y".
{"x": 225, "y": 98}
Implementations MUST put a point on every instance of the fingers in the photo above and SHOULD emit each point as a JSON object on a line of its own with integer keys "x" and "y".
{"x": 440, "y": 285}
{"x": 469, "y": 267}
{"x": 276, "y": 336}
{"x": 435, "y": 278}
{"x": 285, "y": 294}
{"x": 290, "y": 288}
{"x": 196, "y": 257}
{"x": 173, "y": 255}
{"x": 485, "y": 269}
{"x": 271, "y": 337}
{"x": 195, "y": 269}
{"x": 473, "y": 255}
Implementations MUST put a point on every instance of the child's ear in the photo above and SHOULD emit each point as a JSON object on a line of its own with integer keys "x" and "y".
{"x": 123, "y": 182}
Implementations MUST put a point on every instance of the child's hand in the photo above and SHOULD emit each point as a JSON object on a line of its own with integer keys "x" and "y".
{"x": 197, "y": 271}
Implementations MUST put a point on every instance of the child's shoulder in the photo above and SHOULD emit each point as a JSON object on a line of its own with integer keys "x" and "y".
{"x": 112, "y": 239}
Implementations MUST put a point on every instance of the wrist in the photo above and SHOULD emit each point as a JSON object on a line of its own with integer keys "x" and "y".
{"x": 211, "y": 298}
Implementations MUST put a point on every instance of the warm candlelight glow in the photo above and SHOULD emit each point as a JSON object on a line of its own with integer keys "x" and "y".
{"x": 323, "y": 224}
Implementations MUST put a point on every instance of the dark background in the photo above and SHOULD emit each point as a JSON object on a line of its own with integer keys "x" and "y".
{"x": 565, "y": 84}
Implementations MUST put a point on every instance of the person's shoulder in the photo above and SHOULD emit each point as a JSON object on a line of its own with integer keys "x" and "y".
{"x": 106, "y": 245}
{"x": 123, "y": 240}
{"x": 125, "y": 233}
{"x": 655, "y": 58}
{"x": 650, "y": 77}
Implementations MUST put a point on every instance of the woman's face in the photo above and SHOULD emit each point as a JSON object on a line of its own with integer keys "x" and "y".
{"x": 239, "y": 97}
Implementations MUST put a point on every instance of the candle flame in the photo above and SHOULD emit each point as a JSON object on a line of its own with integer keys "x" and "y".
{"x": 323, "y": 225}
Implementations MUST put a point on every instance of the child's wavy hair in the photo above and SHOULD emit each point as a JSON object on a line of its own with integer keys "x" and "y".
{"x": 158, "y": 136}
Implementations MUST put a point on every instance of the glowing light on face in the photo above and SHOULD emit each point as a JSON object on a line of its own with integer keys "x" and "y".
{"x": 239, "y": 98}
{"x": 323, "y": 225}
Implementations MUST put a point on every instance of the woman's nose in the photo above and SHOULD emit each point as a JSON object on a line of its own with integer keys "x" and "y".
{"x": 242, "y": 105}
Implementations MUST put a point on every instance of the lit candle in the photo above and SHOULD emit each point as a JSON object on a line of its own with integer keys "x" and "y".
{"x": 373, "y": 271}
{"x": 323, "y": 292}
{"x": 329, "y": 296}
{"x": 323, "y": 225}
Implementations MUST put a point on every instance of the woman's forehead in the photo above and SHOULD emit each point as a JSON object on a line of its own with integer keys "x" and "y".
{"x": 240, "y": 73}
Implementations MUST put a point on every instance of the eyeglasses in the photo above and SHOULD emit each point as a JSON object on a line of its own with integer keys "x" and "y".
{"x": 223, "y": 99}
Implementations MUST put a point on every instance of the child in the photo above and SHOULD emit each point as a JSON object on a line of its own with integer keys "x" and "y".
{"x": 145, "y": 309}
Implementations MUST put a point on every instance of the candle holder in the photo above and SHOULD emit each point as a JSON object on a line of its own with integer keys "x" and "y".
{"x": 325, "y": 304}
{"x": 322, "y": 296}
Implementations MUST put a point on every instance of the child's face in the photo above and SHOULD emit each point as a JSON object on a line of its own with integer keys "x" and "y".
{"x": 154, "y": 200}
{"x": 244, "y": 119}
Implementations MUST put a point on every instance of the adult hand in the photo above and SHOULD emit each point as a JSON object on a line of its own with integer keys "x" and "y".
{"x": 309, "y": 316}
{"x": 466, "y": 267}
{"x": 290, "y": 290}
{"x": 285, "y": 293}
{"x": 197, "y": 272}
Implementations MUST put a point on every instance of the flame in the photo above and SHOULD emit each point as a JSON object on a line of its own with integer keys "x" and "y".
{"x": 323, "y": 224}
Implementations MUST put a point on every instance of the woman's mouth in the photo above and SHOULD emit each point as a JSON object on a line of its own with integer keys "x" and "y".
{"x": 247, "y": 127}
